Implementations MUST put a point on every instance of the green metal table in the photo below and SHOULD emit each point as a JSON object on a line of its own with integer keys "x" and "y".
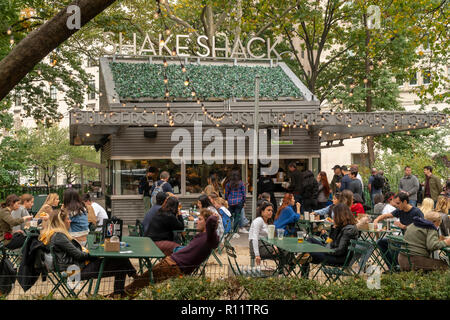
{"x": 373, "y": 236}
{"x": 286, "y": 258}
{"x": 142, "y": 248}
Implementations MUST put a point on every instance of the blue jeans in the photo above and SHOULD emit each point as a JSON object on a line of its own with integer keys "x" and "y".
{"x": 235, "y": 211}
{"x": 244, "y": 221}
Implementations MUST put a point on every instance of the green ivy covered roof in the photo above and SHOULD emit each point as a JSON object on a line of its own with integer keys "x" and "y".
{"x": 145, "y": 80}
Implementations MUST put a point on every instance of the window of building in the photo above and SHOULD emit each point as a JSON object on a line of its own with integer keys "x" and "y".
{"x": 413, "y": 79}
{"x": 91, "y": 92}
{"x": 53, "y": 92}
{"x": 18, "y": 100}
{"x": 92, "y": 63}
{"x": 197, "y": 175}
{"x": 361, "y": 159}
{"x": 426, "y": 77}
{"x": 128, "y": 173}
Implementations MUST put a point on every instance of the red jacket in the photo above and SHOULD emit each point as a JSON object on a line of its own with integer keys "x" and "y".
{"x": 358, "y": 208}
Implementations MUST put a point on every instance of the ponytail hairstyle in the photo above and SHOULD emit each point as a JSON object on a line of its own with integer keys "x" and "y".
{"x": 219, "y": 200}
{"x": 346, "y": 198}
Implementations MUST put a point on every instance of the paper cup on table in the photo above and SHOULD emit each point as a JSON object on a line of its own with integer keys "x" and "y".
{"x": 34, "y": 223}
{"x": 191, "y": 224}
{"x": 312, "y": 217}
{"x": 380, "y": 226}
{"x": 271, "y": 231}
{"x": 371, "y": 226}
{"x": 307, "y": 215}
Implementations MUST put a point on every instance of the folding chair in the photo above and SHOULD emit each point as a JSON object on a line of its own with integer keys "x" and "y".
{"x": 136, "y": 230}
{"x": 238, "y": 271}
{"x": 200, "y": 270}
{"x": 397, "y": 245}
{"x": 359, "y": 252}
{"x": 60, "y": 279}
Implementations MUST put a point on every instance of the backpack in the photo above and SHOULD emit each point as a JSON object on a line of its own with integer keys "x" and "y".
{"x": 378, "y": 182}
{"x": 386, "y": 187}
{"x": 157, "y": 189}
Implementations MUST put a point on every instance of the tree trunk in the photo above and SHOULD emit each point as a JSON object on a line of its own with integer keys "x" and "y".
{"x": 39, "y": 43}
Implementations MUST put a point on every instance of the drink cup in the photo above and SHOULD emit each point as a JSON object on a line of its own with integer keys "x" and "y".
{"x": 191, "y": 224}
{"x": 300, "y": 236}
{"x": 271, "y": 231}
{"x": 34, "y": 223}
{"x": 371, "y": 226}
{"x": 306, "y": 215}
{"x": 380, "y": 226}
{"x": 312, "y": 217}
{"x": 280, "y": 234}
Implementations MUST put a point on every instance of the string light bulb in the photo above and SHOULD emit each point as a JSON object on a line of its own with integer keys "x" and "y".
{"x": 183, "y": 68}
{"x": 165, "y": 63}
{"x": 166, "y": 80}
{"x": 162, "y": 42}
{"x": 9, "y": 31}
{"x": 186, "y": 82}
{"x": 168, "y": 32}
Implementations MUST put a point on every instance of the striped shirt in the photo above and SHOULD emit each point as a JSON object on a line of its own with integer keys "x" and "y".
{"x": 235, "y": 196}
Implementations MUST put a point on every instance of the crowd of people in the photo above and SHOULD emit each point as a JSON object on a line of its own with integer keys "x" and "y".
{"x": 221, "y": 211}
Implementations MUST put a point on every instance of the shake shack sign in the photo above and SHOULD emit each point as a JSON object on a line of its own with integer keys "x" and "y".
{"x": 219, "y": 46}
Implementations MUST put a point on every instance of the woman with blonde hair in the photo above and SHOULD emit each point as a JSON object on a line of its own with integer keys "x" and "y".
{"x": 442, "y": 206}
{"x": 427, "y": 205}
{"x": 213, "y": 185}
{"x": 68, "y": 251}
{"x": 221, "y": 206}
{"x": 47, "y": 208}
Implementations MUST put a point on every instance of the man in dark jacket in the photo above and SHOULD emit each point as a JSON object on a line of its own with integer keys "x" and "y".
{"x": 355, "y": 185}
{"x": 346, "y": 180}
{"x": 336, "y": 178}
{"x": 295, "y": 185}
{"x": 432, "y": 186}
{"x": 310, "y": 191}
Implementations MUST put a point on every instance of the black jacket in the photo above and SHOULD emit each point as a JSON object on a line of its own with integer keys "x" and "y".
{"x": 32, "y": 264}
{"x": 67, "y": 252}
{"x": 163, "y": 225}
{"x": 310, "y": 186}
{"x": 341, "y": 239}
{"x": 296, "y": 181}
{"x": 265, "y": 184}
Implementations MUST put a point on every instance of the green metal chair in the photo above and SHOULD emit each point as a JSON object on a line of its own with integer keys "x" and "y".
{"x": 60, "y": 279}
{"x": 397, "y": 245}
{"x": 136, "y": 230}
{"x": 358, "y": 253}
{"x": 239, "y": 270}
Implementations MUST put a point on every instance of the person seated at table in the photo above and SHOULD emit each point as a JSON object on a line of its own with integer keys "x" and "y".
{"x": 26, "y": 203}
{"x": 221, "y": 206}
{"x": 68, "y": 251}
{"x": 357, "y": 206}
{"x": 286, "y": 217}
{"x": 442, "y": 207}
{"x": 167, "y": 220}
{"x": 79, "y": 225}
{"x": 422, "y": 238}
{"x": 92, "y": 219}
{"x": 258, "y": 230}
{"x": 11, "y": 240}
{"x": 186, "y": 260}
{"x": 343, "y": 230}
{"x": 50, "y": 203}
{"x": 160, "y": 198}
{"x": 405, "y": 212}
{"x": 345, "y": 197}
{"x": 378, "y": 200}
{"x": 205, "y": 203}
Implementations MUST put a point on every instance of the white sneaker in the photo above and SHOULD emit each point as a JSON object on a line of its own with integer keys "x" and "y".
{"x": 236, "y": 236}
{"x": 243, "y": 230}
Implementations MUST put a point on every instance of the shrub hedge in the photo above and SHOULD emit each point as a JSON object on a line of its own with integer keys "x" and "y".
{"x": 401, "y": 286}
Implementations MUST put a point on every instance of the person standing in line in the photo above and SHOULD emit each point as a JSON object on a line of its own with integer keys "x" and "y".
{"x": 162, "y": 185}
{"x": 235, "y": 195}
{"x": 346, "y": 179}
{"x": 409, "y": 184}
{"x": 26, "y": 203}
{"x": 355, "y": 185}
{"x": 374, "y": 185}
{"x": 324, "y": 190}
{"x": 310, "y": 190}
{"x": 266, "y": 185}
{"x": 337, "y": 177}
{"x": 145, "y": 185}
{"x": 358, "y": 176}
{"x": 433, "y": 185}
{"x": 295, "y": 186}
